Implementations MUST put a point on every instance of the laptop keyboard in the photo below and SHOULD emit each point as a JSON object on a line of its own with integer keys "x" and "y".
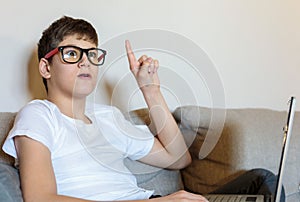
{"x": 230, "y": 198}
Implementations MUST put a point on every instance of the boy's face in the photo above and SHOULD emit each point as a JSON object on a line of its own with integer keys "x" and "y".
{"x": 76, "y": 80}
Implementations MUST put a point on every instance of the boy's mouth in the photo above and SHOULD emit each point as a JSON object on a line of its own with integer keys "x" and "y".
{"x": 84, "y": 75}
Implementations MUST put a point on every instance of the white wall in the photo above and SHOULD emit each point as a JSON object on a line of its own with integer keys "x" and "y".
{"x": 251, "y": 49}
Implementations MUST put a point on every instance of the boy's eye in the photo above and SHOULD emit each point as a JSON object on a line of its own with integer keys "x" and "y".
{"x": 71, "y": 54}
{"x": 93, "y": 54}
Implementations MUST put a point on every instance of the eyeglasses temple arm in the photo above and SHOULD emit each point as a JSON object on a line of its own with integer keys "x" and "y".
{"x": 51, "y": 53}
{"x": 102, "y": 56}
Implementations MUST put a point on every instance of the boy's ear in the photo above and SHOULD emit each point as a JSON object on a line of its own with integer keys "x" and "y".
{"x": 44, "y": 68}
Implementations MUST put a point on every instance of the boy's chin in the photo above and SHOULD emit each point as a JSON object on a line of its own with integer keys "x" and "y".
{"x": 82, "y": 93}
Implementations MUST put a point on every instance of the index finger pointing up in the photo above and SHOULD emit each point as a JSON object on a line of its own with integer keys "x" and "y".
{"x": 130, "y": 55}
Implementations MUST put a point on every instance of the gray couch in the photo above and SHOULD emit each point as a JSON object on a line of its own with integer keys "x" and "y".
{"x": 249, "y": 138}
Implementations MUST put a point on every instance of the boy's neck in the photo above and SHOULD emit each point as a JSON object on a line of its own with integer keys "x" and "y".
{"x": 73, "y": 108}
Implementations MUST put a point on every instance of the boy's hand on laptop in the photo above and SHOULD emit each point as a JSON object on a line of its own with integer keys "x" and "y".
{"x": 144, "y": 70}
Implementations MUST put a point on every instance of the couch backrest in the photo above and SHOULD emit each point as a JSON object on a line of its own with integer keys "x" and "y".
{"x": 6, "y": 123}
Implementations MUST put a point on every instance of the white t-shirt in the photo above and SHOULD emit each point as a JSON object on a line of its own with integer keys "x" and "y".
{"x": 87, "y": 158}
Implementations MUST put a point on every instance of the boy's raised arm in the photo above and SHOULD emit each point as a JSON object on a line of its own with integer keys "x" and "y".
{"x": 169, "y": 149}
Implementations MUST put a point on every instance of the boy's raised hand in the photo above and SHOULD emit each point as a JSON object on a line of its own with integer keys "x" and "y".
{"x": 144, "y": 69}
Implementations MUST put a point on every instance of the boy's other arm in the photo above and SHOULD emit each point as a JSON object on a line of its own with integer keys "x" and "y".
{"x": 36, "y": 172}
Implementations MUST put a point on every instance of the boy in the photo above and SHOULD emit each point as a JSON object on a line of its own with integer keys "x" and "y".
{"x": 55, "y": 140}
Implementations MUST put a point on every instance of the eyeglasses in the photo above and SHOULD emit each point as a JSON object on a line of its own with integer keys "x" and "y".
{"x": 73, "y": 54}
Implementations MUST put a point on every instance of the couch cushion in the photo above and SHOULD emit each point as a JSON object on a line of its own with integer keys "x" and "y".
{"x": 251, "y": 138}
{"x": 9, "y": 176}
{"x": 162, "y": 181}
{"x": 6, "y": 123}
{"x": 9, "y": 184}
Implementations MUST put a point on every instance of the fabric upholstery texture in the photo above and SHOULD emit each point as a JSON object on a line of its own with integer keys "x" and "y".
{"x": 162, "y": 181}
{"x": 9, "y": 184}
{"x": 9, "y": 175}
{"x": 6, "y": 123}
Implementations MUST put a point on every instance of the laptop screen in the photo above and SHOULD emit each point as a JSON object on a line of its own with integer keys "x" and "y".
{"x": 287, "y": 136}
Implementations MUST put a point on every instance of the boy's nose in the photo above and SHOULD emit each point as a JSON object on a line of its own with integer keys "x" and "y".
{"x": 84, "y": 61}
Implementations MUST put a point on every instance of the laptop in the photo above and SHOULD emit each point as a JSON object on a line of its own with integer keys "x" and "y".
{"x": 287, "y": 130}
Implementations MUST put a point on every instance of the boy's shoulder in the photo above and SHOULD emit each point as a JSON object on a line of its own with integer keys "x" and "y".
{"x": 39, "y": 108}
{"x": 39, "y": 105}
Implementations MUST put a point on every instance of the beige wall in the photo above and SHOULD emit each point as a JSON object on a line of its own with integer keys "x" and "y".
{"x": 254, "y": 47}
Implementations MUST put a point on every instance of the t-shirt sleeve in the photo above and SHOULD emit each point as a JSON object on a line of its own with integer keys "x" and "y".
{"x": 139, "y": 139}
{"x": 34, "y": 121}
